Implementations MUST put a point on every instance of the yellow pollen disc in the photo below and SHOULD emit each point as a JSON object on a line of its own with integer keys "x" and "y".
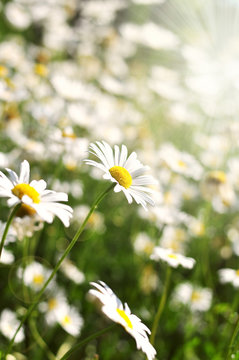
{"x": 41, "y": 70}
{"x": 172, "y": 256}
{"x": 25, "y": 210}
{"x": 125, "y": 317}
{"x": 182, "y": 164}
{"x": 38, "y": 279}
{"x": 121, "y": 175}
{"x": 237, "y": 272}
{"x": 52, "y": 303}
{"x": 195, "y": 296}
{"x": 3, "y": 71}
{"x": 218, "y": 177}
{"x": 68, "y": 135}
{"x": 24, "y": 189}
{"x": 66, "y": 320}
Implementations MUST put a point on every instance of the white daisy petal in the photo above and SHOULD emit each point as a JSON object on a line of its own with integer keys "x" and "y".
{"x": 24, "y": 172}
{"x": 123, "y": 155}
{"x": 39, "y": 185}
{"x": 13, "y": 176}
{"x": 117, "y": 153}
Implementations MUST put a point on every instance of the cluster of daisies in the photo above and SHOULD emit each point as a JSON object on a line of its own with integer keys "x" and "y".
{"x": 33, "y": 199}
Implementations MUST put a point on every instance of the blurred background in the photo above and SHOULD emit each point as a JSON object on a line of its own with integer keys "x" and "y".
{"x": 161, "y": 77}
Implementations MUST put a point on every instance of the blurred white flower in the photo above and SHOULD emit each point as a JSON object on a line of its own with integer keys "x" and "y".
{"x": 197, "y": 298}
{"x": 9, "y": 324}
{"x": 172, "y": 258}
{"x": 95, "y": 222}
{"x": 26, "y": 226}
{"x": 11, "y": 235}
{"x": 121, "y": 314}
{"x": 69, "y": 319}
{"x": 7, "y": 257}
{"x": 72, "y": 272}
{"x": 150, "y": 34}
{"x": 217, "y": 187}
{"x": 143, "y": 244}
{"x": 180, "y": 162}
{"x": 34, "y": 275}
{"x": 174, "y": 238}
{"x": 17, "y": 15}
{"x": 229, "y": 276}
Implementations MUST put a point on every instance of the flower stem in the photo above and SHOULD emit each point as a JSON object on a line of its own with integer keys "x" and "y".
{"x": 85, "y": 341}
{"x": 234, "y": 335}
{"x": 161, "y": 306}
{"x": 40, "y": 341}
{"x": 9, "y": 221}
{"x": 68, "y": 249}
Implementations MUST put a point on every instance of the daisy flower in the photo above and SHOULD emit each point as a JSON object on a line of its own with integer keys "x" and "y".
{"x": 69, "y": 319}
{"x": 195, "y": 297}
{"x": 173, "y": 259}
{"x": 34, "y": 275}
{"x": 126, "y": 172}
{"x": 8, "y": 325}
{"x": 229, "y": 276}
{"x": 121, "y": 314}
{"x": 33, "y": 196}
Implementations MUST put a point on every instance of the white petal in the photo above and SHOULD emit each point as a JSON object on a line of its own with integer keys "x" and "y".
{"x": 24, "y": 172}
{"x": 38, "y": 185}
{"x": 123, "y": 155}
{"x": 13, "y": 176}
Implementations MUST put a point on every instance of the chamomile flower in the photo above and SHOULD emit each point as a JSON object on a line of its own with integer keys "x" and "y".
{"x": 173, "y": 259}
{"x": 195, "y": 297}
{"x": 126, "y": 172}
{"x": 229, "y": 276}
{"x": 69, "y": 319}
{"x": 121, "y": 314}
{"x": 34, "y": 275}
{"x": 33, "y": 196}
{"x": 8, "y": 325}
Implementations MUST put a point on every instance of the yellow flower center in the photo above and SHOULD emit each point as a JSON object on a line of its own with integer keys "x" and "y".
{"x": 3, "y": 71}
{"x": 69, "y": 135}
{"x": 172, "y": 256}
{"x": 41, "y": 70}
{"x": 26, "y": 210}
{"x": 182, "y": 164}
{"x": 125, "y": 317}
{"x": 20, "y": 190}
{"x": 219, "y": 177}
{"x": 38, "y": 279}
{"x": 121, "y": 175}
{"x": 52, "y": 303}
{"x": 195, "y": 296}
{"x": 237, "y": 272}
{"x": 66, "y": 320}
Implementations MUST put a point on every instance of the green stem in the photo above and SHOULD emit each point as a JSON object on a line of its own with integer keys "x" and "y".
{"x": 161, "y": 305}
{"x": 85, "y": 341}
{"x": 40, "y": 341}
{"x": 234, "y": 335}
{"x": 25, "y": 262}
{"x": 9, "y": 221}
{"x": 68, "y": 249}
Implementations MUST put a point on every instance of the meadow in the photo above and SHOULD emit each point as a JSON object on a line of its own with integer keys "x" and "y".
{"x": 119, "y": 176}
